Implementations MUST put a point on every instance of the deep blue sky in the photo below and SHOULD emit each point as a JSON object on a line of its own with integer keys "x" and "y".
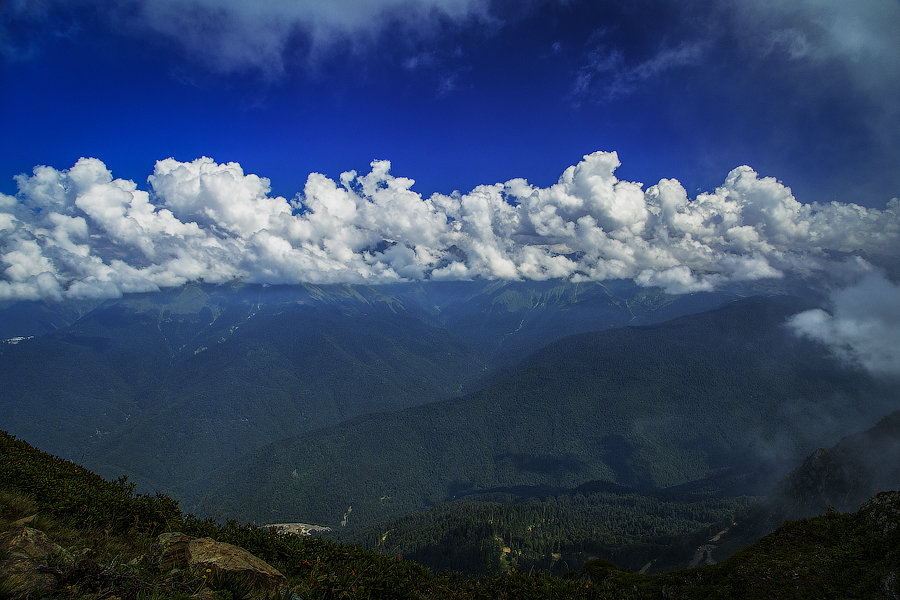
{"x": 460, "y": 93}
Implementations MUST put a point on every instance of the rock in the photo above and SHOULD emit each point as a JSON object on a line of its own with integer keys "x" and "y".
{"x": 29, "y": 543}
{"x": 26, "y": 550}
{"x": 170, "y": 551}
{"x": 24, "y": 521}
{"x": 177, "y": 550}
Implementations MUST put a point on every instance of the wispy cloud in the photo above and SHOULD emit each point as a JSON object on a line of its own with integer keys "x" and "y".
{"x": 862, "y": 326}
{"x": 609, "y": 73}
{"x": 20, "y": 19}
{"x": 829, "y": 43}
{"x": 81, "y": 233}
{"x": 234, "y": 35}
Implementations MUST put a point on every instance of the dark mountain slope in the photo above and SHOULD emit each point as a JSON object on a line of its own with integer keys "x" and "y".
{"x": 280, "y": 375}
{"x": 723, "y": 394}
{"x": 839, "y": 478}
{"x": 75, "y": 385}
{"x": 845, "y": 475}
{"x": 163, "y": 386}
{"x": 31, "y": 318}
{"x": 509, "y": 319}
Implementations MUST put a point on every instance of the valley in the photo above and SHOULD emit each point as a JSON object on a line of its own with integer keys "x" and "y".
{"x": 212, "y": 372}
{"x": 536, "y": 425}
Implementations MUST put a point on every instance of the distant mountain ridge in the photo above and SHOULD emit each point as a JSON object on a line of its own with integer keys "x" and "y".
{"x": 167, "y": 386}
{"x": 729, "y": 396}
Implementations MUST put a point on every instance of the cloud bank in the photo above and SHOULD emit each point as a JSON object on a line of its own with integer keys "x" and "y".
{"x": 853, "y": 43}
{"x": 863, "y": 326}
{"x": 80, "y": 233}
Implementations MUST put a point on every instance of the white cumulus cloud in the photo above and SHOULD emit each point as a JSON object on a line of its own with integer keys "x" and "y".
{"x": 82, "y": 233}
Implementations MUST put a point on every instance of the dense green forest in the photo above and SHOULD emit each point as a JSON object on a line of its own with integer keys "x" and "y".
{"x": 833, "y": 556}
{"x": 557, "y": 534}
{"x": 727, "y": 400}
{"x": 212, "y": 372}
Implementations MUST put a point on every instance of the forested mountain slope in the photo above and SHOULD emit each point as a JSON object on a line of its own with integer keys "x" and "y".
{"x": 163, "y": 396}
{"x": 845, "y": 475}
{"x": 713, "y": 400}
{"x": 165, "y": 386}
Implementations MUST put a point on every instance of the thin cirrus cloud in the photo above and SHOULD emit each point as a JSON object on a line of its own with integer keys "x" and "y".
{"x": 607, "y": 75}
{"x": 80, "y": 233}
{"x": 233, "y": 35}
{"x": 228, "y": 36}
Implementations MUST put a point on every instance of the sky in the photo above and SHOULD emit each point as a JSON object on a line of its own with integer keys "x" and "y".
{"x": 684, "y": 144}
{"x": 458, "y": 93}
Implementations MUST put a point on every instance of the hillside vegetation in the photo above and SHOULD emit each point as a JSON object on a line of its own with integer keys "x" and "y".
{"x": 832, "y": 556}
{"x": 559, "y": 533}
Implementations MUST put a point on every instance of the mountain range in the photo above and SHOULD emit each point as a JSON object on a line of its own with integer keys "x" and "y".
{"x": 167, "y": 386}
{"x": 580, "y": 420}
{"x": 725, "y": 400}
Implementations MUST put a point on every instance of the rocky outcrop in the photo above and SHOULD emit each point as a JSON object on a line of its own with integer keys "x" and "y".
{"x": 33, "y": 566}
{"x": 25, "y": 566}
{"x": 177, "y": 550}
{"x": 29, "y": 543}
{"x": 883, "y": 512}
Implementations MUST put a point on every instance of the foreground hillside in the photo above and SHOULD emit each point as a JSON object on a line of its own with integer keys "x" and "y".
{"x": 103, "y": 534}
